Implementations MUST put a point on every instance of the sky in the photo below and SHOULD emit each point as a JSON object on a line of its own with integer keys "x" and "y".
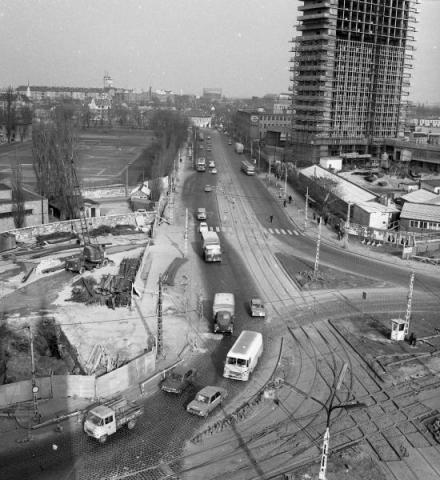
{"x": 240, "y": 46}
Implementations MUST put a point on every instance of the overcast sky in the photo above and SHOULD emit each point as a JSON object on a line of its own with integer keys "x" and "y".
{"x": 240, "y": 46}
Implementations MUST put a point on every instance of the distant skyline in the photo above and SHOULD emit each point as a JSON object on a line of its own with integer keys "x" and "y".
{"x": 240, "y": 46}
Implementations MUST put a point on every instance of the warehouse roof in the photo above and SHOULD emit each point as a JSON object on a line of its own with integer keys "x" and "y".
{"x": 420, "y": 196}
{"x": 347, "y": 191}
{"x": 421, "y": 211}
{"x": 376, "y": 207}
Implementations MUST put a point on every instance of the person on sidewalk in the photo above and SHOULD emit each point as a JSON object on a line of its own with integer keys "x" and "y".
{"x": 290, "y": 199}
{"x": 271, "y": 219}
{"x": 285, "y": 203}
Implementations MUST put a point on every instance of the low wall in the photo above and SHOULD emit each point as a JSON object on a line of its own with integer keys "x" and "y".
{"x": 81, "y": 386}
{"x": 28, "y": 234}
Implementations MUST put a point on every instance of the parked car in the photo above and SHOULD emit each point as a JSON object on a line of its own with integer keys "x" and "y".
{"x": 208, "y": 188}
{"x": 201, "y": 213}
{"x": 214, "y": 170}
{"x": 203, "y": 227}
{"x": 257, "y": 307}
{"x": 178, "y": 380}
{"x": 206, "y": 401}
{"x": 211, "y": 164}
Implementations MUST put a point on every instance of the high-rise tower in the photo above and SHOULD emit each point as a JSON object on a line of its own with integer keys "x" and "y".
{"x": 350, "y": 74}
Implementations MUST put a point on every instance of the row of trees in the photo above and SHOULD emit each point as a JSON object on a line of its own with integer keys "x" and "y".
{"x": 16, "y": 118}
{"x": 55, "y": 152}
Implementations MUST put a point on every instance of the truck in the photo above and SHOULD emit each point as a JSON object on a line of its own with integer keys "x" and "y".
{"x": 92, "y": 256}
{"x": 201, "y": 164}
{"x": 239, "y": 147}
{"x": 105, "y": 419}
{"x": 211, "y": 247}
{"x": 243, "y": 357}
{"x": 223, "y": 313}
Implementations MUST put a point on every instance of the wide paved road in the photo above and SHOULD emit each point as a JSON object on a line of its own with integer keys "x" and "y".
{"x": 240, "y": 208}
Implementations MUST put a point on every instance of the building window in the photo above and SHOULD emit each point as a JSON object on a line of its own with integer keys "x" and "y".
{"x": 11, "y": 214}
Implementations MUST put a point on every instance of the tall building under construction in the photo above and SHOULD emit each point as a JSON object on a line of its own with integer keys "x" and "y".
{"x": 350, "y": 75}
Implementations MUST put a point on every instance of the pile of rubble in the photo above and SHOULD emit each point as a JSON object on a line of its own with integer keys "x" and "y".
{"x": 112, "y": 290}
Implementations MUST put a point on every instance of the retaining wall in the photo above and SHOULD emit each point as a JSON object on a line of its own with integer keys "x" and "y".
{"x": 82, "y": 386}
{"x": 28, "y": 234}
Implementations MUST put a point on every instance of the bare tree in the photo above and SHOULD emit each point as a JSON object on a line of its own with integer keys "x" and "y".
{"x": 26, "y": 121}
{"x": 18, "y": 196}
{"x": 55, "y": 151}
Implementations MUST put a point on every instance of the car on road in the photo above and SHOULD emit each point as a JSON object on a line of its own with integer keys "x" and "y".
{"x": 201, "y": 213}
{"x": 206, "y": 400}
{"x": 214, "y": 170}
{"x": 211, "y": 164}
{"x": 178, "y": 380}
{"x": 203, "y": 227}
{"x": 256, "y": 307}
{"x": 208, "y": 188}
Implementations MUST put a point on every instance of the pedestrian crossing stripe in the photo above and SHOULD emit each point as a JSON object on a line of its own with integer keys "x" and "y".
{"x": 272, "y": 231}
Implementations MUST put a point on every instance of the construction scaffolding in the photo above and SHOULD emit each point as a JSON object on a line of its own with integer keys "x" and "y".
{"x": 350, "y": 73}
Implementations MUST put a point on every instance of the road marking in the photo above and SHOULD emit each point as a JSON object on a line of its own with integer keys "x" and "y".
{"x": 295, "y": 232}
{"x": 270, "y": 230}
{"x": 277, "y": 231}
{"x": 289, "y": 232}
{"x": 283, "y": 232}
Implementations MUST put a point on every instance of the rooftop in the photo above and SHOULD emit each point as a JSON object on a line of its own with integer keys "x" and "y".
{"x": 421, "y": 211}
{"x": 347, "y": 191}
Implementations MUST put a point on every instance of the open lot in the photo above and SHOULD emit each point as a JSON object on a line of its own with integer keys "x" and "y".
{"x": 103, "y": 156}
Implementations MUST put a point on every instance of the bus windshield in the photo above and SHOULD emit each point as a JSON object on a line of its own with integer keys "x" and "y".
{"x": 237, "y": 361}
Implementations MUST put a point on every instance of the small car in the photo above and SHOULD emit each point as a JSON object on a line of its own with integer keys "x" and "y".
{"x": 214, "y": 170}
{"x": 208, "y": 188}
{"x": 206, "y": 400}
{"x": 257, "y": 307}
{"x": 211, "y": 164}
{"x": 201, "y": 213}
{"x": 178, "y": 380}
{"x": 203, "y": 227}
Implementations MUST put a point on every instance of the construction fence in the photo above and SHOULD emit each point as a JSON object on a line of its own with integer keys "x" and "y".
{"x": 82, "y": 386}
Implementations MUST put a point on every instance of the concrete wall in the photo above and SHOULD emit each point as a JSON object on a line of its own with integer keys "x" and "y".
{"x": 28, "y": 234}
{"x": 82, "y": 386}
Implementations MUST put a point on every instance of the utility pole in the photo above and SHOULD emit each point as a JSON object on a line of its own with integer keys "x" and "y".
{"x": 326, "y": 443}
{"x": 259, "y": 155}
{"x": 347, "y": 225}
{"x": 185, "y": 236}
{"x": 159, "y": 320}
{"x": 34, "y": 380}
{"x": 408, "y": 306}
{"x": 318, "y": 243}
{"x": 285, "y": 181}
{"x": 306, "y": 209}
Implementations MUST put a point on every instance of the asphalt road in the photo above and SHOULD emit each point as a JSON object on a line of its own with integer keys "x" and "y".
{"x": 246, "y": 269}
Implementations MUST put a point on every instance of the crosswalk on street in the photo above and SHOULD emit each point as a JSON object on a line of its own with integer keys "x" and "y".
{"x": 271, "y": 231}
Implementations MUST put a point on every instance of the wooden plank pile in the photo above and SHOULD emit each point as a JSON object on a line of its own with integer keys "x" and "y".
{"x": 112, "y": 290}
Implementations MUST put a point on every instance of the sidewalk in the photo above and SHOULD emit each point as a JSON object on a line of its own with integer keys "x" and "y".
{"x": 296, "y": 213}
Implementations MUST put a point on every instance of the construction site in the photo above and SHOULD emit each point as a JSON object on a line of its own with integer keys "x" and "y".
{"x": 350, "y": 75}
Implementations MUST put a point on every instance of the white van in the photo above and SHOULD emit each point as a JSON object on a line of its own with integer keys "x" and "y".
{"x": 243, "y": 357}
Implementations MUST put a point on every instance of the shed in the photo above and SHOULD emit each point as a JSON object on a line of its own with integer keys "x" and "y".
{"x": 374, "y": 214}
{"x": 331, "y": 163}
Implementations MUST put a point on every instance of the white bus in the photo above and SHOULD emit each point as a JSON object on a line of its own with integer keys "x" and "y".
{"x": 243, "y": 357}
{"x": 247, "y": 167}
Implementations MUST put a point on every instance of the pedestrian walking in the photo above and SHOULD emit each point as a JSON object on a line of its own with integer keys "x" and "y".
{"x": 285, "y": 203}
{"x": 290, "y": 198}
{"x": 271, "y": 218}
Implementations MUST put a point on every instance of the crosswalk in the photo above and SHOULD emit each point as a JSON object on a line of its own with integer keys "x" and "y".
{"x": 271, "y": 231}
